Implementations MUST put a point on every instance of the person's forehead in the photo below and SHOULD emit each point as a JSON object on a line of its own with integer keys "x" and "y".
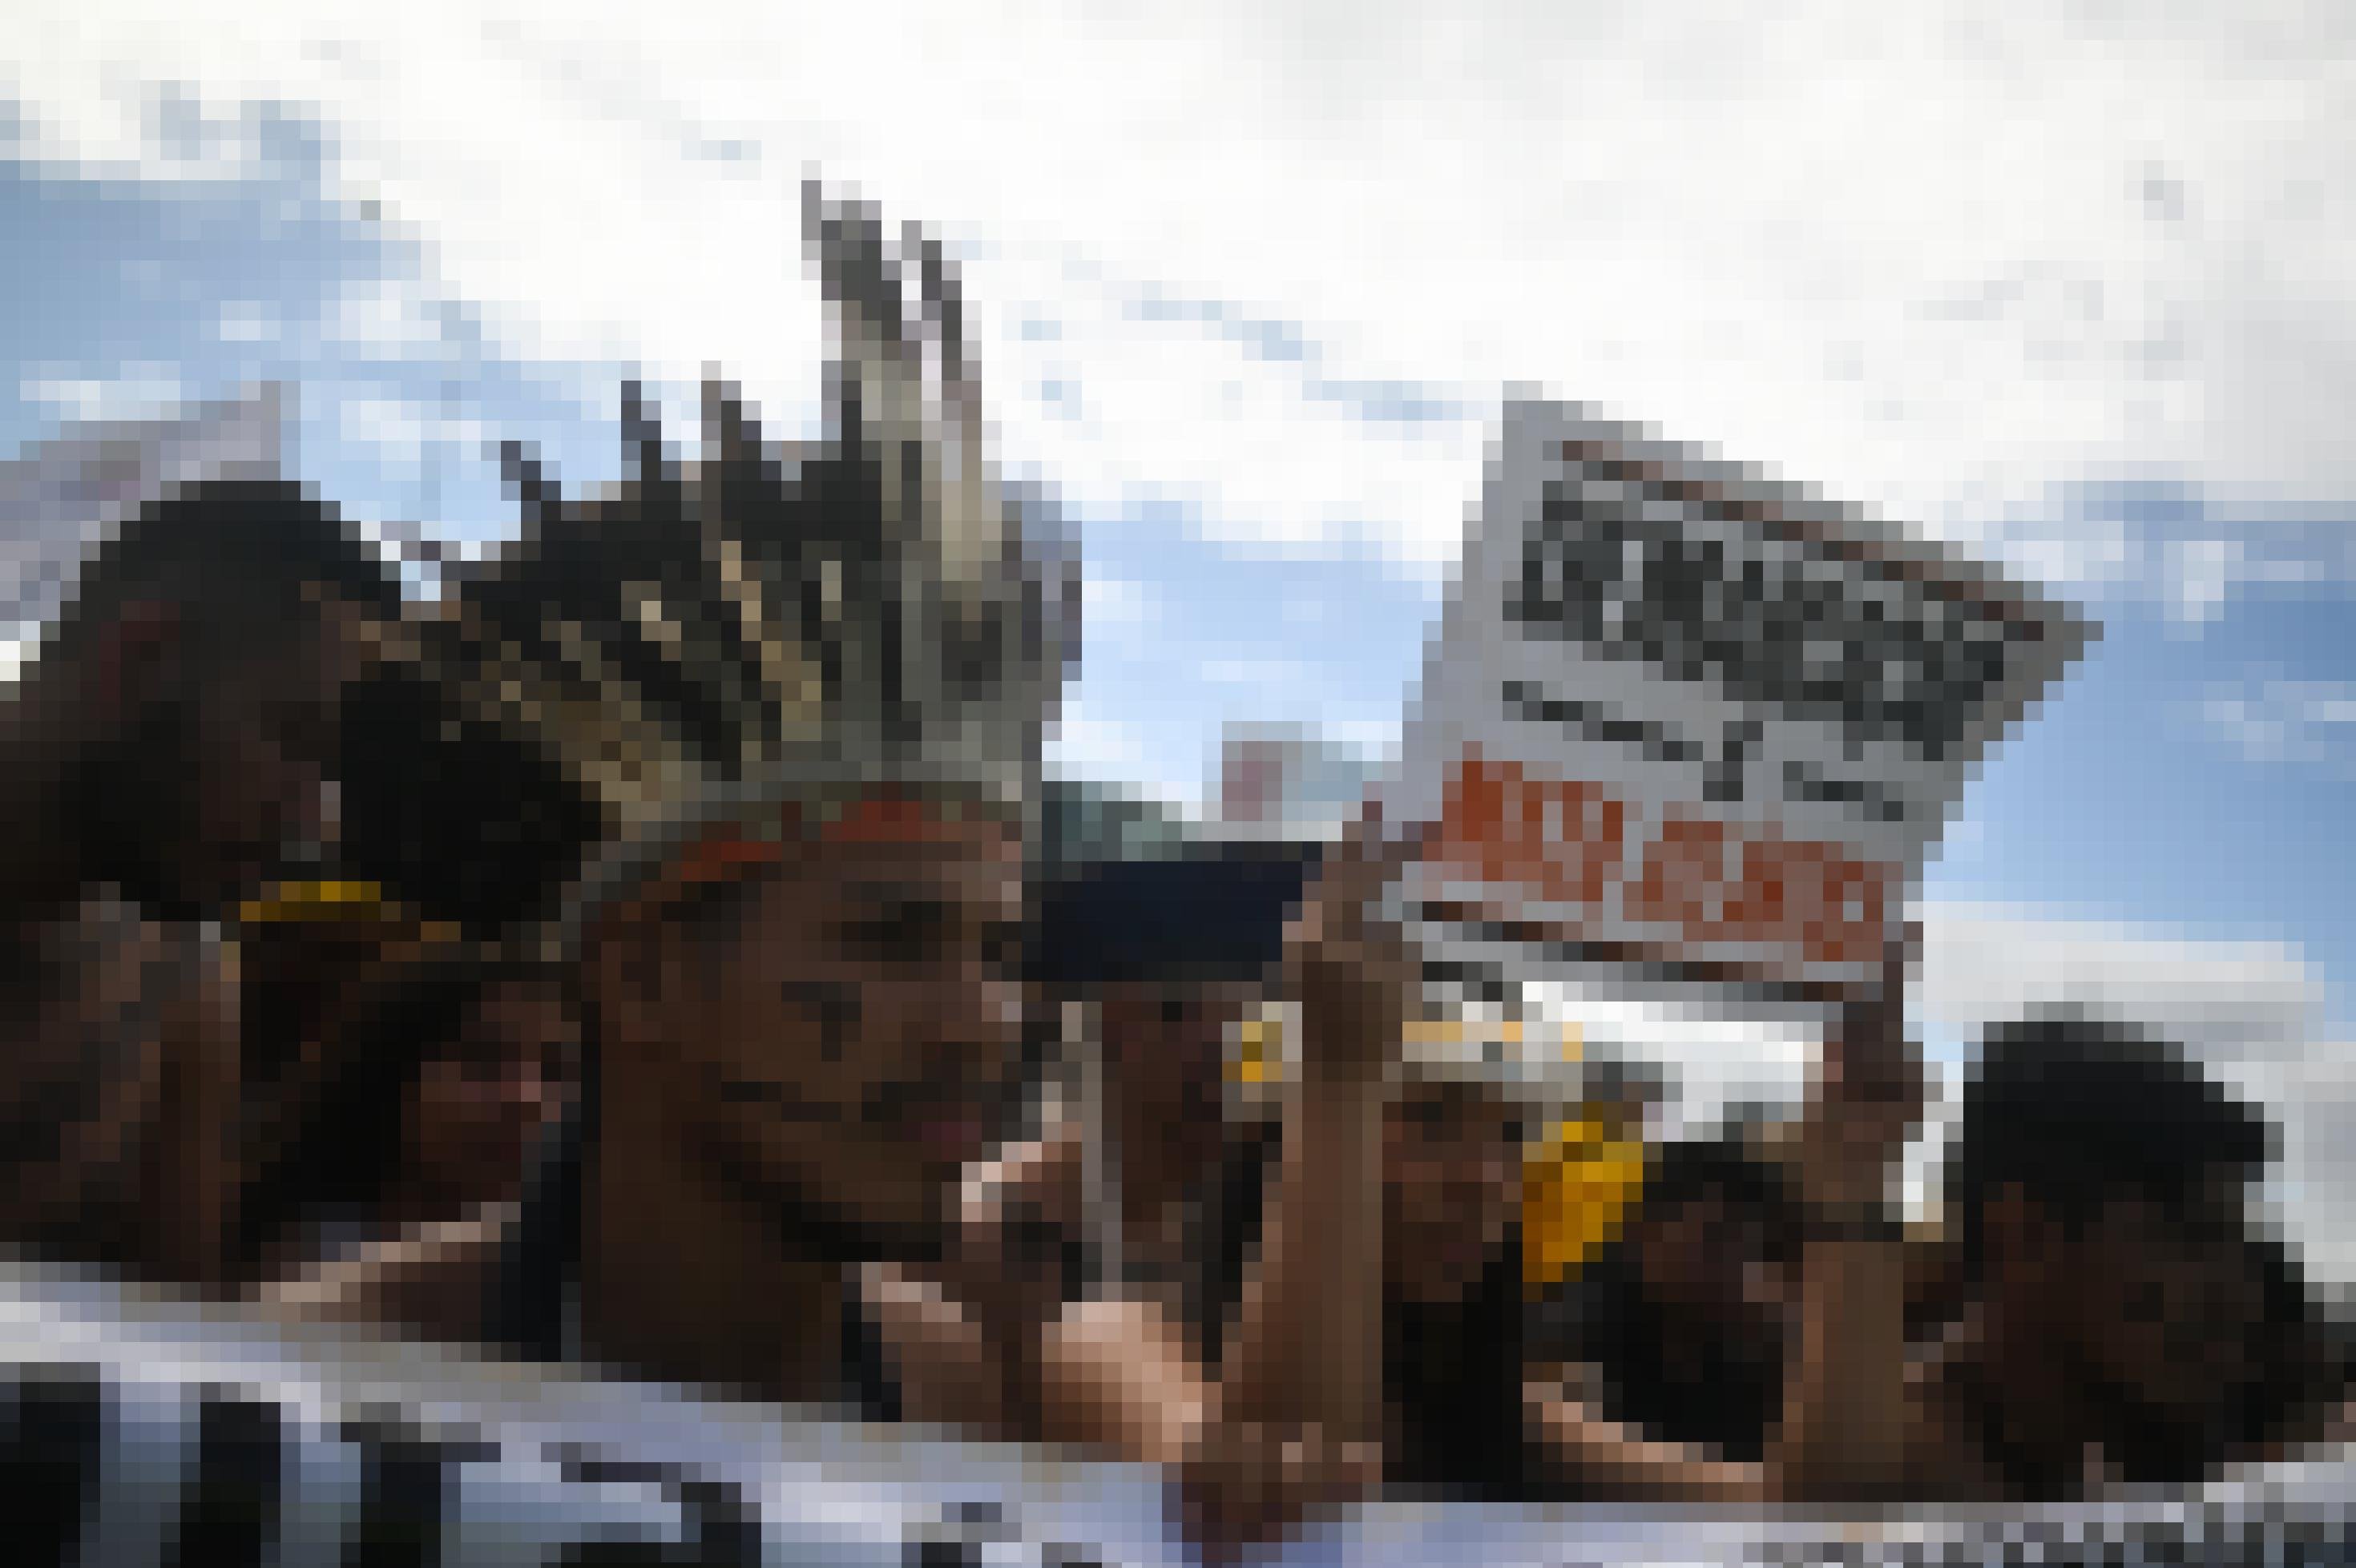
{"x": 975, "y": 863}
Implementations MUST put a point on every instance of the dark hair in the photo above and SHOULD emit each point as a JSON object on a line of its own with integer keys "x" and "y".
{"x": 1453, "y": 1371}
{"x": 2077, "y": 1110}
{"x": 240, "y": 559}
{"x": 342, "y": 1149}
{"x": 241, "y": 564}
{"x": 1214, "y": 915}
{"x": 1722, "y": 1167}
{"x": 1722, "y": 1392}
{"x": 461, "y": 818}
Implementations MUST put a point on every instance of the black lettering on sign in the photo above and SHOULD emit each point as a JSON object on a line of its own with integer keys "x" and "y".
{"x": 1779, "y": 621}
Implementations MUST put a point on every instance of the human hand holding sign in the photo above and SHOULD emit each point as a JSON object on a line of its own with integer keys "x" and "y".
{"x": 1850, "y": 1429}
{"x": 1869, "y": 1096}
{"x": 1296, "y": 1421}
{"x": 1352, "y": 971}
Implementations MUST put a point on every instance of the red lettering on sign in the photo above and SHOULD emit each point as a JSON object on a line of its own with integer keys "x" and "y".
{"x": 1717, "y": 882}
{"x": 1833, "y": 908}
{"x": 1560, "y": 840}
{"x": 1692, "y": 872}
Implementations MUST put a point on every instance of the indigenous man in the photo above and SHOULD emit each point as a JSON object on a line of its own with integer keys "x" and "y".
{"x": 169, "y": 752}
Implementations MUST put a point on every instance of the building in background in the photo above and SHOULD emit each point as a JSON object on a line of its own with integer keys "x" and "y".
{"x": 1287, "y": 782}
{"x": 1085, "y": 821}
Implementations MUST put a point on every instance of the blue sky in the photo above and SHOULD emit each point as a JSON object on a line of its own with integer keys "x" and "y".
{"x": 1247, "y": 291}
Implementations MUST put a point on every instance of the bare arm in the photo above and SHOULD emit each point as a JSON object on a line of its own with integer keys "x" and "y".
{"x": 1850, "y": 1427}
{"x": 1308, "y": 1352}
{"x": 1613, "y": 1459}
{"x": 1309, "y": 1342}
{"x": 431, "y": 1282}
{"x": 1293, "y": 1421}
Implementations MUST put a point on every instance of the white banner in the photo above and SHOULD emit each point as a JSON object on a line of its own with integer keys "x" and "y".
{"x": 125, "y": 1417}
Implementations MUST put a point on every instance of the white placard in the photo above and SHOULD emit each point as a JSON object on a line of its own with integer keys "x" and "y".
{"x": 1685, "y": 729}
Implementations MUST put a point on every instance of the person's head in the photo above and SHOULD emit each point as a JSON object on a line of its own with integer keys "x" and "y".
{"x": 1452, "y": 1185}
{"x": 1172, "y": 953}
{"x": 206, "y": 648}
{"x": 480, "y": 1096}
{"x": 810, "y": 999}
{"x": 2100, "y": 1184}
{"x": 439, "y": 1071}
{"x": 1713, "y": 1240}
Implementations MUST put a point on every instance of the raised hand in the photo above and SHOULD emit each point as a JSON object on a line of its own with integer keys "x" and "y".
{"x": 1869, "y": 1094}
{"x": 1354, "y": 973}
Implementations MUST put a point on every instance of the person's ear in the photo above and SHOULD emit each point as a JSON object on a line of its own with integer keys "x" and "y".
{"x": 133, "y": 658}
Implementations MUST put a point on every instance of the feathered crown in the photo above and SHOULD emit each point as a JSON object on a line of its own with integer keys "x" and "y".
{"x": 876, "y": 602}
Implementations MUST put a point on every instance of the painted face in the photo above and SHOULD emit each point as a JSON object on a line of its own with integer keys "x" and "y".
{"x": 1451, "y": 1181}
{"x": 835, "y": 1031}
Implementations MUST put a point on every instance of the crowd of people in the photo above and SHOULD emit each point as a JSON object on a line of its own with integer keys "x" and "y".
{"x": 795, "y": 1115}
{"x": 815, "y": 1089}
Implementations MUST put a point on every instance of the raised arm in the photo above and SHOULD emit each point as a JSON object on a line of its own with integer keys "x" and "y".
{"x": 1294, "y": 1419}
{"x": 1850, "y": 1430}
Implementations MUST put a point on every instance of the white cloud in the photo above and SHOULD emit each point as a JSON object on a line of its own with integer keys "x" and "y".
{"x": 136, "y": 391}
{"x": 1114, "y": 604}
{"x": 247, "y": 321}
{"x": 401, "y": 432}
{"x": 1083, "y": 744}
{"x": 382, "y": 316}
{"x": 2274, "y": 721}
{"x": 1924, "y": 255}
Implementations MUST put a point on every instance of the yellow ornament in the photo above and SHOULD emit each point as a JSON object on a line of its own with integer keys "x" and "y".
{"x": 1578, "y": 1187}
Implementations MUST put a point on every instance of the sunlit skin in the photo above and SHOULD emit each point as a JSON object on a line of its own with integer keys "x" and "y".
{"x": 798, "y": 1060}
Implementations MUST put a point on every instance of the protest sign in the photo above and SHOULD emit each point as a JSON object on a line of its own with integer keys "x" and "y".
{"x": 1687, "y": 732}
